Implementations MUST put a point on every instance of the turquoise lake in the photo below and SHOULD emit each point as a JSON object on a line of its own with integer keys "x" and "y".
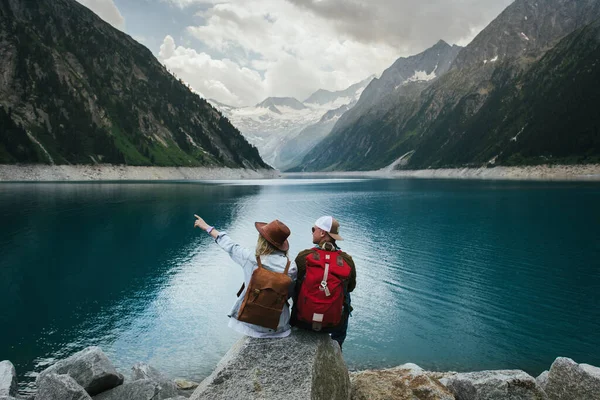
{"x": 451, "y": 275}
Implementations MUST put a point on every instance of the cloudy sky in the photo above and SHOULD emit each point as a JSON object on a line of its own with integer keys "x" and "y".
{"x": 241, "y": 51}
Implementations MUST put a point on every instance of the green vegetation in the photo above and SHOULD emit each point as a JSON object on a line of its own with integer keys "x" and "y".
{"x": 89, "y": 93}
{"x": 15, "y": 146}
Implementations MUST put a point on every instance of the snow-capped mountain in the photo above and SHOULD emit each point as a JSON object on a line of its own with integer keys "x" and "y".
{"x": 275, "y": 122}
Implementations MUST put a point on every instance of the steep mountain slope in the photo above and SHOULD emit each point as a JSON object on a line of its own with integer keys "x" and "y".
{"x": 406, "y": 76}
{"x": 278, "y": 121}
{"x": 75, "y": 90}
{"x": 547, "y": 114}
{"x": 424, "y": 127}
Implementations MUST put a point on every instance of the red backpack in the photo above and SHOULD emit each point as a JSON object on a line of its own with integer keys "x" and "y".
{"x": 321, "y": 297}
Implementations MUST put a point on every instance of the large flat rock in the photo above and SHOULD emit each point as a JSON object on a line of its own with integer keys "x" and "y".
{"x": 90, "y": 368}
{"x": 494, "y": 385}
{"x": 8, "y": 379}
{"x": 406, "y": 382}
{"x": 568, "y": 380}
{"x": 304, "y": 365}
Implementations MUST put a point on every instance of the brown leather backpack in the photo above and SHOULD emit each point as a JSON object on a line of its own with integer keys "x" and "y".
{"x": 267, "y": 293}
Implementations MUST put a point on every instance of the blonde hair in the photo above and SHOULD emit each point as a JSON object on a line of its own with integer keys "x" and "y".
{"x": 263, "y": 247}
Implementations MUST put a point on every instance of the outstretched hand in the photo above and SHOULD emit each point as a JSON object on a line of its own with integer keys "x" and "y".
{"x": 200, "y": 223}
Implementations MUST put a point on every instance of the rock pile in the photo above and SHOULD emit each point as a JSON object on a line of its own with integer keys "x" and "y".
{"x": 89, "y": 374}
{"x": 304, "y": 365}
{"x": 566, "y": 380}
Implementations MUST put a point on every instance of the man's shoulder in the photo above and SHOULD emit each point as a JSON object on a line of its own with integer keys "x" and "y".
{"x": 305, "y": 253}
{"x": 347, "y": 257}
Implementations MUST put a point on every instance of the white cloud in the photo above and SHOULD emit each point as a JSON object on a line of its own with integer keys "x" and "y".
{"x": 107, "y": 10}
{"x": 281, "y": 50}
{"x": 223, "y": 80}
{"x": 294, "y": 47}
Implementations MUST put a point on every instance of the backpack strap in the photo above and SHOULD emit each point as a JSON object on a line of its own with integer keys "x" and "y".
{"x": 325, "y": 276}
{"x": 241, "y": 289}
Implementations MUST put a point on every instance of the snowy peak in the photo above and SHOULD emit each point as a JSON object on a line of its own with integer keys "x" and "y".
{"x": 276, "y": 121}
{"x": 323, "y": 97}
{"x": 273, "y": 103}
{"x": 423, "y": 67}
{"x": 427, "y": 65}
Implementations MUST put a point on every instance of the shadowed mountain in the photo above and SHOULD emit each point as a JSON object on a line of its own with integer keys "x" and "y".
{"x": 427, "y": 125}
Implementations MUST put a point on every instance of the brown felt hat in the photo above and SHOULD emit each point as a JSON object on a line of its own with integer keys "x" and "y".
{"x": 275, "y": 232}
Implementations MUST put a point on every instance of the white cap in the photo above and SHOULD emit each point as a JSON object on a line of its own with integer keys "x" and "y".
{"x": 329, "y": 225}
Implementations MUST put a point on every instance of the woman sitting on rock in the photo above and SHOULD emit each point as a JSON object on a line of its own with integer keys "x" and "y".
{"x": 257, "y": 304}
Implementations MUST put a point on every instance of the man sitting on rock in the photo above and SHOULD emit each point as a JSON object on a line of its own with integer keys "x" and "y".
{"x": 326, "y": 276}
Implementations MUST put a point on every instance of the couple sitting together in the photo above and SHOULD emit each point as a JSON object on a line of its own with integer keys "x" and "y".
{"x": 319, "y": 281}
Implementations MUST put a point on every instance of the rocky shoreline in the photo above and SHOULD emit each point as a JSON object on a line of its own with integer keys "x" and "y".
{"x": 305, "y": 365}
{"x": 105, "y": 172}
{"x": 586, "y": 172}
{"x": 565, "y": 380}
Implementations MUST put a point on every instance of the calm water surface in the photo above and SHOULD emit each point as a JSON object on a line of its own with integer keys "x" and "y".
{"x": 460, "y": 275}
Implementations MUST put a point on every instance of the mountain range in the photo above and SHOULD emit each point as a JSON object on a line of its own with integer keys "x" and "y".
{"x": 75, "y": 90}
{"x": 523, "y": 91}
{"x": 285, "y": 129}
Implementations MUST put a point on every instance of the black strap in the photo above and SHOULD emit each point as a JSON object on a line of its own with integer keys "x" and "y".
{"x": 241, "y": 289}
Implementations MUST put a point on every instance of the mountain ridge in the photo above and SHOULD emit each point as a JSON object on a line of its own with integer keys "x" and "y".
{"x": 428, "y": 120}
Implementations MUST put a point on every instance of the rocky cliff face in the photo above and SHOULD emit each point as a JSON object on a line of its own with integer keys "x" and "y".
{"x": 406, "y": 76}
{"x": 527, "y": 28}
{"x": 403, "y": 81}
{"x": 545, "y": 114}
{"x": 461, "y": 118}
{"x": 75, "y": 90}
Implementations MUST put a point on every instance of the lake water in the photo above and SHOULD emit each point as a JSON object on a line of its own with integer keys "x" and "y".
{"x": 451, "y": 275}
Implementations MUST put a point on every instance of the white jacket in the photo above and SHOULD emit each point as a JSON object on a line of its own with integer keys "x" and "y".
{"x": 246, "y": 258}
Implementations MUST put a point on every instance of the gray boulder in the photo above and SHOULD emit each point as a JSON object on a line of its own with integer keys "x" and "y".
{"x": 494, "y": 385}
{"x": 304, "y": 365}
{"x": 7, "y": 398}
{"x": 406, "y": 382}
{"x": 177, "y": 398}
{"x": 8, "y": 379}
{"x": 542, "y": 380}
{"x": 184, "y": 384}
{"x": 90, "y": 368}
{"x": 143, "y": 389}
{"x": 60, "y": 387}
{"x": 568, "y": 380}
{"x": 167, "y": 387}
